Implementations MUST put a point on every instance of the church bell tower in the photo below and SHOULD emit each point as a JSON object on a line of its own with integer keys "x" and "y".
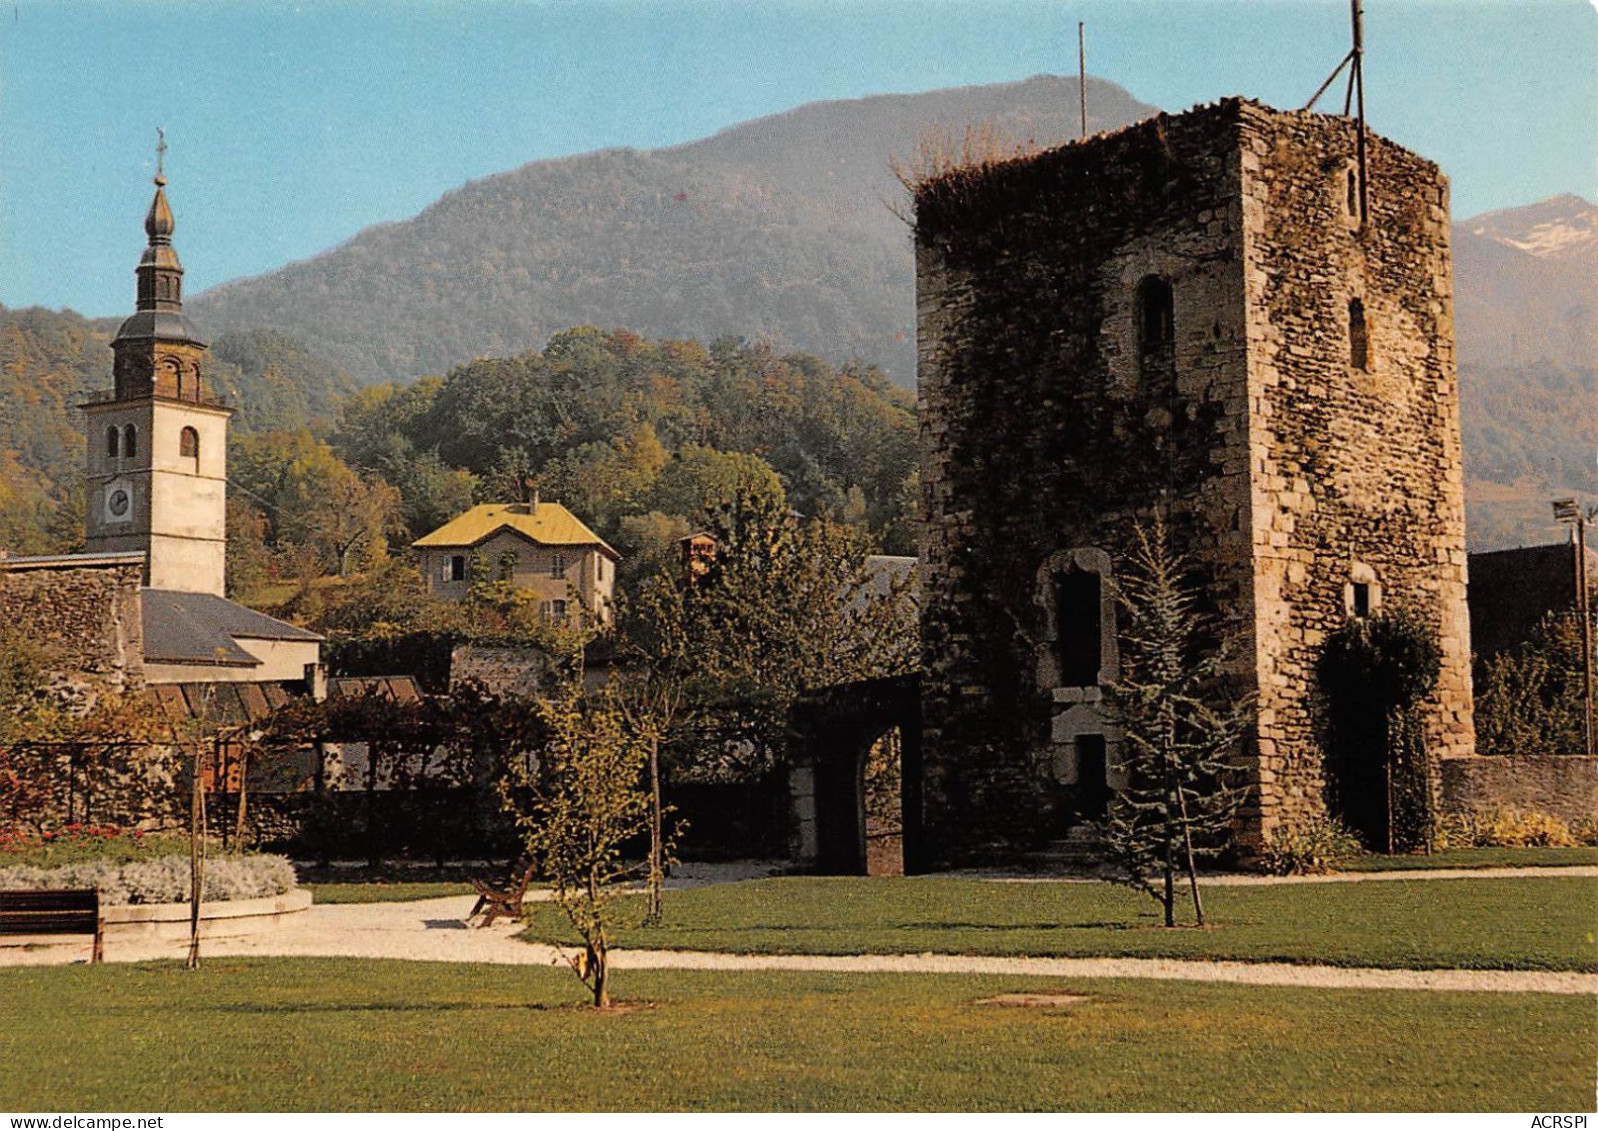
{"x": 157, "y": 445}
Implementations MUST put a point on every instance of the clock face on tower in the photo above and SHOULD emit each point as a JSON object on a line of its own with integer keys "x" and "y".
{"x": 119, "y": 501}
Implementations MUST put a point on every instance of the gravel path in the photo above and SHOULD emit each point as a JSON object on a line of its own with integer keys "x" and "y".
{"x": 1250, "y": 879}
{"x": 433, "y": 930}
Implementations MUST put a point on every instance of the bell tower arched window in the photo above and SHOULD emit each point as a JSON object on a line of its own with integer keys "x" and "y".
{"x": 189, "y": 444}
{"x": 130, "y": 441}
{"x": 113, "y": 442}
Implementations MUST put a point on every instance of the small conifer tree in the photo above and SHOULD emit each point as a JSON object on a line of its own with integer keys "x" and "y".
{"x": 1179, "y": 728}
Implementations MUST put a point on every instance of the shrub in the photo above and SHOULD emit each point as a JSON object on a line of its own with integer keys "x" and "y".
{"x": 1508, "y": 827}
{"x": 1308, "y": 847}
{"x": 1529, "y": 700}
{"x": 162, "y": 879}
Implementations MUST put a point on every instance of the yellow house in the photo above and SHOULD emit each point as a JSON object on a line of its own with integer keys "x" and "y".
{"x": 541, "y": 548}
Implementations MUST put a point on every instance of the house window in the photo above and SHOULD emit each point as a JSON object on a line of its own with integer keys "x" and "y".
{"x": 130, "y": 441}
{"x": 1358, "y": 336}
{"x": 456, "y": 570}
{"x": 189, "y": 444}
{"x": 1079, "y": 628}
{"x": 557, "y": 565}
{"x": 113, "y": 442}
{"x": 557, "y": 610}
{"x": 1156, "y": 328}
{"x": 508, "y": 561}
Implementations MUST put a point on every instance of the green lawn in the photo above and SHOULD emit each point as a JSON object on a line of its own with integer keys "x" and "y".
{"x": 314, "y": 1034}
{"x": 1475, "y": 858}
{"x": 377, "y": 892}
{"x": 1520, "y": 924}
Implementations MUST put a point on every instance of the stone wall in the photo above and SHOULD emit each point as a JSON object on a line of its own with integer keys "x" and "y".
{"x": 503, "y": 671}
{"x": 1291, "y": 476}
{"x": 1357, "y": 472}
{"x": 1045, "y": 436}
{"x": 84, "y": 616}
{"x": 1564, "y": 786}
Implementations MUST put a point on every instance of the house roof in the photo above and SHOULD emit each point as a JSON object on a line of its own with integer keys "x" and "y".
{"x": 224, "y": 703}
{"x": 548, "y": 524}
{"x": 200, "y": 628}
{"x": 883, "y": 572}
{"x": 236, "y": 704}
{"x": 400, "y": 688}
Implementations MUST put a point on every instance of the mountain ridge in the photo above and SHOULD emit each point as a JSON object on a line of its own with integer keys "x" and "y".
{"x": 1560, "y": 228}
{"x": 696, "y": 238}
{"x": 779, "y": 229}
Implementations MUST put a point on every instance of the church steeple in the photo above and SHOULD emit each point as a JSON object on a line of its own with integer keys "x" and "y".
{"x": 160, "y": 273}
{"x": 157, "y": 446}
{"x": 158, "y": 350}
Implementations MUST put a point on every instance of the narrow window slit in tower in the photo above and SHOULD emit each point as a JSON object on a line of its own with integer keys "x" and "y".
{"x": 1358, "y": 336}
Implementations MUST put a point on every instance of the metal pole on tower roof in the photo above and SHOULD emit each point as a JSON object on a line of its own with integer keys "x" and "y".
{"x": 1082, "y": 72}
{"x": 1356, "y": 80}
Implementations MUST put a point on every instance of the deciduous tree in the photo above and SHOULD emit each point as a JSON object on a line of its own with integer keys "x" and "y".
{"x": 586, "y": 803}
{"x": 783, "y": 606}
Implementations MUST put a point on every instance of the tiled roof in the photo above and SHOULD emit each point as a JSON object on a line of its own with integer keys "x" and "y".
{"x": 548, "y": 524}
{"x": 400, "y": 688}
{"x": 199, "y": 628}
{"x": 223, "y": 703}
{"x": 227, "y": 703}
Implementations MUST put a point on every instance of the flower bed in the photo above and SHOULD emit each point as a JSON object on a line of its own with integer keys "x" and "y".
{"x": 133, "y": 868}
{"x": 73, "y": 844}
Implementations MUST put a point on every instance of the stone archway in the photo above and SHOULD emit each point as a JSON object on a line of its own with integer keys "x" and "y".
{"x": 855, "y": 812}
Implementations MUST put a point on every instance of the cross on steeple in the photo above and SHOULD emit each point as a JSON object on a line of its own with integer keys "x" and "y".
{"x": 160, "y": 155}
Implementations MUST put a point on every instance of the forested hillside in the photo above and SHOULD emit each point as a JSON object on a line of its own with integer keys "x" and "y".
{"x": 635, "y": 436}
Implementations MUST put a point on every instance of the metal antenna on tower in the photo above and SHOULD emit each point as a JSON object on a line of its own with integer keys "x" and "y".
{"x": 1082, "y": 72}
{"x": 1355, "y": 97}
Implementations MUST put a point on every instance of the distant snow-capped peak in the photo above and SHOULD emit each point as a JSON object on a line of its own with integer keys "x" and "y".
{"x": 1554, "y": 228}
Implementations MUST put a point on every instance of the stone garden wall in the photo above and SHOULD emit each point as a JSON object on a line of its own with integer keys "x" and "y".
{"x": 1561, "y": 785}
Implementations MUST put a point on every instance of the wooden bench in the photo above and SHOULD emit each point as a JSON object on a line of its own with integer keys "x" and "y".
{"x": 504, "y": 902}
{"x": 54, "y": 913}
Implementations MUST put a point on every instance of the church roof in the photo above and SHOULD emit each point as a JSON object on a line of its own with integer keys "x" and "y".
{"x": 549, "y": 524}
{"x": 200, "y": 628}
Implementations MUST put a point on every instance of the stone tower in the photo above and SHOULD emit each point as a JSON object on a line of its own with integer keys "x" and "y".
{"x": 157, "y": 446}
{"x": 1213, "y": 315}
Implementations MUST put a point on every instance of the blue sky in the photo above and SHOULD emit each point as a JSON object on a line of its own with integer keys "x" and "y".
{"x": 293, "y": 126}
